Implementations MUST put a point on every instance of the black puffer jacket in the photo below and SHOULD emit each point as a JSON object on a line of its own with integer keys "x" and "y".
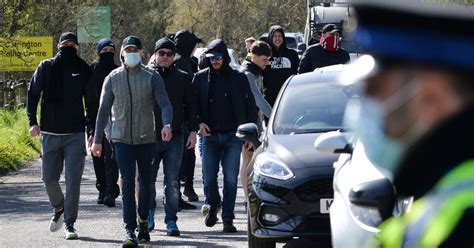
{"x": 239, "y": 107}
{"x": 315, "y": 57}
{"x": 283, "y": 63}
{"x": 178, "y": 87}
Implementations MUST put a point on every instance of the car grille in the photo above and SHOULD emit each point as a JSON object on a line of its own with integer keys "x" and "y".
{"x": 315, "y": 189}
{"x": 315, "y": 222}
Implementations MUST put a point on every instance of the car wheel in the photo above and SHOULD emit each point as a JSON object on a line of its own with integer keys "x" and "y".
{"x": 255, "y": 242}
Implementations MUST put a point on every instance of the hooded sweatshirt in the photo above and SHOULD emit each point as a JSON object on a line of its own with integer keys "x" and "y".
{"x": 185, "y": 43}
{"x": 283, "y": 63}
{"x": 254, "y": 76}
{"x": 224, "y": 97}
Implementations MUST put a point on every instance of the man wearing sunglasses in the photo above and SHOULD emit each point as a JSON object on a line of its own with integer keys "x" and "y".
{"x": 224, "y": 102}
{"x": 178, "y": 87}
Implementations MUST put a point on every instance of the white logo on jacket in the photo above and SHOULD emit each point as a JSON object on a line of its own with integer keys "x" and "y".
{"x": 280, "y": 63}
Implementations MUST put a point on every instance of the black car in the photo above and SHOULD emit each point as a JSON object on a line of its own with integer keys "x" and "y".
{"x": 289, "y": 183}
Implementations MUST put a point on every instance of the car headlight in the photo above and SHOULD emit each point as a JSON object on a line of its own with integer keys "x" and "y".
{"x": 367, "y": 215}
{"x": 269, "y": 165}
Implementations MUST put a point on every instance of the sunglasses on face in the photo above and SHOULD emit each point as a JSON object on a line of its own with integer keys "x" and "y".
{"x": 163, "y": 53}
{"x": 216, "y": 57}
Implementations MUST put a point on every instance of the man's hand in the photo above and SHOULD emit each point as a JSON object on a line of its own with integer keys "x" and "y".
{"x": 34, "y": 131}
{"x": 96, "y": 150}
{"x": 166, "y": 134}
{"x": 191, "y": 140}
{"x": 204, "y": 130}
{"x": 90, "y": 140}
{"x": 248, "y": 146}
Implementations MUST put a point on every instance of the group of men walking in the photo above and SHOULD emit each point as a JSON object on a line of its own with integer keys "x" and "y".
{"x": 139, "y": 116}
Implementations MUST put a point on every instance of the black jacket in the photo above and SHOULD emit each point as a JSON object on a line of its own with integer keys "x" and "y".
{"x": 178, "y": 87}
{"x": 315, "y": 57}
{"x": 235, "y": 88}
{"x": 283, "y": 63}
{"x": 63, "y": 85}
{"x": 433, "y": 157}
{"x": 185, "y": 43}
{"x": 100, "y": 70}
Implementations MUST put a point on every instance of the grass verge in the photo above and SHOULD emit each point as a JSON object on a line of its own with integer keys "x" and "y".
{"x": 16, "y": 145}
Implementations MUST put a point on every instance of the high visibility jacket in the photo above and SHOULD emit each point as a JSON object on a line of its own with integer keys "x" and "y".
{"x": 435, "y": 216}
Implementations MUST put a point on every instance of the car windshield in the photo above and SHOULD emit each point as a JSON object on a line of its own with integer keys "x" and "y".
{"x": 313, "y": 107}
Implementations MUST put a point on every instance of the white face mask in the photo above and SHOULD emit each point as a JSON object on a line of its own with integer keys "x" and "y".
{"x": 132, "y": 59}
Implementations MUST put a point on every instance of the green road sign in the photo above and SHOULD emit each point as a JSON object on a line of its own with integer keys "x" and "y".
{"x": 93, "y": 24}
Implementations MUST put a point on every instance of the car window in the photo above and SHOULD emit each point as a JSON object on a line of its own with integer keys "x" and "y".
{"x": 312, "y": 107}
{"x": 291, "y": 42}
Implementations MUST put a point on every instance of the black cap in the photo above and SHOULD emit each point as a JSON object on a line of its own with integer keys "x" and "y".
{"x": 329, "y": 28}
{"x": 390, "y": 31}
{"x": 103, "y": 43}
{"x": 165, "y": 43}
{"x": 131, "y": 41}
{"x": 68, "y": 36}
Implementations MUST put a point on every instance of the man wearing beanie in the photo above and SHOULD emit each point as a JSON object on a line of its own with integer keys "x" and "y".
{"x": 178, "y": 87}
{"x": 105, "y": 167}
{"x": 132, "y": 91}
{"x": 62, "y": 84}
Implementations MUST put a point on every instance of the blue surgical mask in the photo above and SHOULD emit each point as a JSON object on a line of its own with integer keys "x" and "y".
{"x": 365, "y": 118}
{"x": 132, "y": 59}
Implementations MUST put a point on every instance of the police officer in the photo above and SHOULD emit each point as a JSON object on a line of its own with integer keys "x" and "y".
{"x": 420, "y": 95}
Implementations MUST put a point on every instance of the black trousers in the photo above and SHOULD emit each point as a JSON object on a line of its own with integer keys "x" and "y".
{"x": 188, "y": 161}
{"x": 106, "y": 170}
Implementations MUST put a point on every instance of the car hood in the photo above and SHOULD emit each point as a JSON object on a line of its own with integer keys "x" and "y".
{"x": 297, "y": 151}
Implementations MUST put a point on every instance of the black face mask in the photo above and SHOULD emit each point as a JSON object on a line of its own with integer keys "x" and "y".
{"x": 106, "y": 57}
{"x": 68, "y": 50}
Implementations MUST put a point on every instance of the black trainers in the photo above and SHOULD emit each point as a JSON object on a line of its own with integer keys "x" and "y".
{"x": 70, "y": 232}
{"x": 211, "y": 217}
{"x": 143, "y": 233}
{"x": 184, "y": 205}
{"x": 229, "y": 228}
{"x": 109, "y": 201}
{"x": 56, "y": 220}
{"x": 190, "y": 193}
{"x": 100, "y": 198}
{"x": 130, "y": 240}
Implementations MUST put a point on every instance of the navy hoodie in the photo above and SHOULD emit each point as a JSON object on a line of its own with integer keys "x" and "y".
{"x": 283, "y": 63}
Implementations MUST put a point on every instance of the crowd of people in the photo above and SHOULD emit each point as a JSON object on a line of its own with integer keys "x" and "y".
{"x": 136, "y": 117}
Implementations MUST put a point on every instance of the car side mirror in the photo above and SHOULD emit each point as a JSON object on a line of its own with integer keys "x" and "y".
{"x": 379, "y": 194}
{"x": 248, "y": 132}
{"x": 300, "y": 48}
{"x": 332, "y": 142}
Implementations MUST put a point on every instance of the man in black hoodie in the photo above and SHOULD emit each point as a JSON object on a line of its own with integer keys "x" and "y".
{"x": 283, "y": 63}
{"x": 327, "y": 52}
{"x": 178, "y": 87}
{"x": 225, "y": 101}
{"x": 62, "y": 84}
{"x": 105, "y": 167}
{"x": 184, "y": 60}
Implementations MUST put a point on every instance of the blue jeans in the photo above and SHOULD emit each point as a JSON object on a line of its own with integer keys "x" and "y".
{"x": 128, "y": 157}
{"x": 171, "y": 153}
{"x": 221, "y": 148}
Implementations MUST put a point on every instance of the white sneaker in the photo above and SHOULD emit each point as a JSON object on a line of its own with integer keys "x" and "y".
{"x": 56, "y": 221}
{"x": 70, "y": 232}
{"x": 205, "y": 209}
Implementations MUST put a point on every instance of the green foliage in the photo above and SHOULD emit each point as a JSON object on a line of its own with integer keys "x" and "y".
{"x": 16, "y": 146}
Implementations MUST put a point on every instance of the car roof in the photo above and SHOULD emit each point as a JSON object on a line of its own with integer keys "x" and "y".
{"x": 287, "y": 34}
{"x": 324, "y": 74}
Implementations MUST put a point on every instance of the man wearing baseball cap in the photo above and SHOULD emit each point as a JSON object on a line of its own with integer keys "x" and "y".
{"x": 419, "y": 95}
{"x": 62, "y": 84}
{"x": 131, "y": 92}
{"x": 327, "y": 52}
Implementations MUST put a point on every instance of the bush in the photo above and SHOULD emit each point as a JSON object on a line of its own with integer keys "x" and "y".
{"x": 16, "y": 145}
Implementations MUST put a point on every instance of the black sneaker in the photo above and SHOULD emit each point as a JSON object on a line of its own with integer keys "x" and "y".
{"x": 184, "y": 205}
{"x": 130, "y": 240}
{"x": 56, "y": 220}
{"x": 100, "y": 198}
{"x": 143, "y": 233}
{"x": 190, "y": 193}
{"x": 70, "y": 232}
{"x": 109, "y": 201}
{"x": 211, "y": 217}
{"x": 229, "y": 228}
